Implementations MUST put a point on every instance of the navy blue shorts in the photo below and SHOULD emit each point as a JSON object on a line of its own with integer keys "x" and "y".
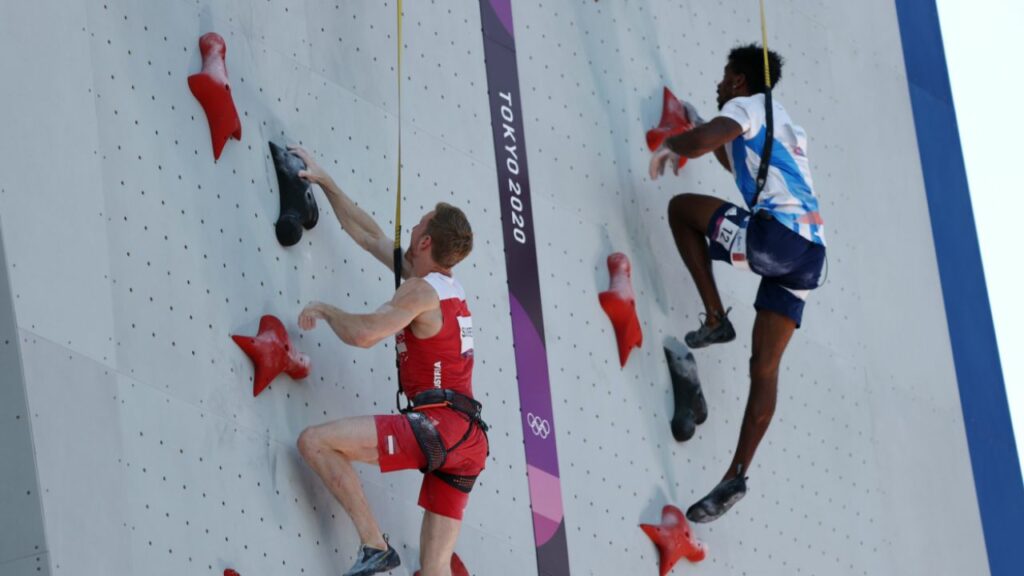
{"x": 789, "y": 265}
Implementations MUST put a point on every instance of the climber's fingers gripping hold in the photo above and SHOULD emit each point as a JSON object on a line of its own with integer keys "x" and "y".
{"x": 313, "y": 172}
{"x": 692, "y": 115}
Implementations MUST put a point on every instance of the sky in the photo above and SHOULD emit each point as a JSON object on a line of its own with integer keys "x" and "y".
{"x": 982, "y": 52}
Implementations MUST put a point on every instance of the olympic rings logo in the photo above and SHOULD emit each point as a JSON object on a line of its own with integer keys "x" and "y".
{"x": 538, "y": 425}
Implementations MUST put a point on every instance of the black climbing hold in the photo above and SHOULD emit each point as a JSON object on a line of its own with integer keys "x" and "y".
{"x": 298, "y": 206}
{"x": 690, "y": 407}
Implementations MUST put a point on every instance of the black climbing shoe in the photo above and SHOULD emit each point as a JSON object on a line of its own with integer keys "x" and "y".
{"x": 374, "y": 561}
{"x": 720, "y": 499}
{"x": 690, "y": 407}
{"x": 298, "y": 206}
{"x": 707, "y": 335}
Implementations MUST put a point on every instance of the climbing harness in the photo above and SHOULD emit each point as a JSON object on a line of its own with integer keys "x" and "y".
{"x": 766, "y": 151}
{"x": 429, "y": 439}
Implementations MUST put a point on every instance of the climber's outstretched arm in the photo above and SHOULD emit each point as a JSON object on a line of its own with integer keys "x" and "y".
{"x": 708, "y": 137}
{"x": 353, "y": 219}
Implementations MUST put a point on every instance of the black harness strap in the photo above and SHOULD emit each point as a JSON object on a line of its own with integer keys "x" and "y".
{"x": 429, "y": 438}
{"x": 766, "y": 151}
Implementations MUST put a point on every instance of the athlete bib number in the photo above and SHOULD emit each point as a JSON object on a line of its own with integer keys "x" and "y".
{"x": 466, "y": 333}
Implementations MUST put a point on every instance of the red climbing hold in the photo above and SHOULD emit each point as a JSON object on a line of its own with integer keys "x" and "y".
{"x": 230, "y": 572}
{"x": 458, "y": 568}
{"x": 212, "y": 90}
{"x": 272, "y": 353}
{"x": 674, "y": 539}
{"x": 619, "y": 302}
{"x": 673, "y": 121}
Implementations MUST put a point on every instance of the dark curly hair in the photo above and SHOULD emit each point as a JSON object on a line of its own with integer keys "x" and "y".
{"x": 749, "y": 61}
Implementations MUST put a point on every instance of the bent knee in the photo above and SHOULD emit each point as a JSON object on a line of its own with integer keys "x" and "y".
{"x": 677, "y": 205}
{"x": 308, "y": 443}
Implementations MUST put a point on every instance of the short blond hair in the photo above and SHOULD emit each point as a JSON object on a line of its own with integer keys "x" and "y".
{"x": 450, "y": 234}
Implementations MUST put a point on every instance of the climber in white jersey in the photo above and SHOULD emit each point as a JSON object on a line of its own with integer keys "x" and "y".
{"x": 779, "y": 236}
{"x": 441, "y": 433}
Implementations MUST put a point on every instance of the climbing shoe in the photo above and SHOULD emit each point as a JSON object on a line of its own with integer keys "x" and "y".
{"x": 720, "y": 499}
{"x": 706, "y": 335}
{"x": 374, "y": 561}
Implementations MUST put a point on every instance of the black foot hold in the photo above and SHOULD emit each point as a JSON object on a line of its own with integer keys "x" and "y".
{"x": 298, "y": 206}
{"x": 690, "y": 407}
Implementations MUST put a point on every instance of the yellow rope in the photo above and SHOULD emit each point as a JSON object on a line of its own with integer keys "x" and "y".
{"x": 764, "y": 44}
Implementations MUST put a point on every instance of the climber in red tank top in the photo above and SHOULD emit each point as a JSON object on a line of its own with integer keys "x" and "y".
{"x": 441, "y": 432}
{"x": 446, "y": 359}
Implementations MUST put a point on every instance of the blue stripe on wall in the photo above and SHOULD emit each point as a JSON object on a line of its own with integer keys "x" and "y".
{"x": 994, "y": 460}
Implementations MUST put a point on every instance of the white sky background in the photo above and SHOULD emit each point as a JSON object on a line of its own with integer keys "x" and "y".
{"x": 983, "y": 51}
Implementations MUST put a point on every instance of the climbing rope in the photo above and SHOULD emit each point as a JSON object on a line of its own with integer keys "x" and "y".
{"x": 398, "y": 188}
{"x": 398, "y": 207}
{"x": 766, "y": 151}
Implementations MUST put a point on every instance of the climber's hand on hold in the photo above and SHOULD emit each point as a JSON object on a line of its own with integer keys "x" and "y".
{"x": 659, "y": 158}
{"x": 313, "y": 172}
{"x": 310, "y": 314}
{"x": 692, "y": 115}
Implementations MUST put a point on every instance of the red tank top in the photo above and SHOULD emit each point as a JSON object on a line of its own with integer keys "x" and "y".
{"x": 445, "y": 360}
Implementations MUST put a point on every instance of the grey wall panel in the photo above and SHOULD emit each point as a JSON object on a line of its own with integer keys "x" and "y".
{"x": 78, "y": 437}
{"x": 21, "y": 523}
{"x": 37, "y": 565}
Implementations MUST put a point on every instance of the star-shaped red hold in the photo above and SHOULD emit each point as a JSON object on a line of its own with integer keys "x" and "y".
{"x": 674, "y": 539}
{"x": 212, "y": 90}
{"x": 272, "y": 353}
{"x": 673, "y": 121}
{"x": 458, "y": 568}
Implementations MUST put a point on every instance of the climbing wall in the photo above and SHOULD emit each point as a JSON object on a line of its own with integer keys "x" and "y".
{"x": 131, "y": 257}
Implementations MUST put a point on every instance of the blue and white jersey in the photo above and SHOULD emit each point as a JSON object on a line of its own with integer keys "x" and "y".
{"x": 788, "y": 194}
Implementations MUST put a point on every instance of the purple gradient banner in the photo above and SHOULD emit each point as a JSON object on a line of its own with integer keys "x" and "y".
{"x": 524, "y": 289}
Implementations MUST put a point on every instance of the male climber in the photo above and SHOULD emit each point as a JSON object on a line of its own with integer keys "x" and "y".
{"x": 781, "y": 238}
{"x": 442, "y": 435}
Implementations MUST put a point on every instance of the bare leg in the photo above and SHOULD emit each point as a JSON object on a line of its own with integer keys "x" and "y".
{"x": 772, "y": 332}
{"x": 689, "y": 216}
{"x": 437, "y": 543}
{"x": 330, "y": 450}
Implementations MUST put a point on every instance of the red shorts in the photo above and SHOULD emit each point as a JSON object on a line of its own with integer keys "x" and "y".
{"x": 397, "y": 449}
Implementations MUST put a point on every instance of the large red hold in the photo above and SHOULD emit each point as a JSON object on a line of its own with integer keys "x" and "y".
{"x": 212, "y": 90}
{"x": 674, "y": 121}
{"x": 458, "y": 568}
{"x": 272, "y": 353}
{"x": 619, "y": 303}
{"x": 674, "y": 539}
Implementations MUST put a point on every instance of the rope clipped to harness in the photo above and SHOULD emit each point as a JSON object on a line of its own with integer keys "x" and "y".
{"x": 766, "y": 151}
{"x": 398, "y": 208}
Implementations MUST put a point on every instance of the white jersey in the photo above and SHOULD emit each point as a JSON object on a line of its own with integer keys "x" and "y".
{"x": 788, "y": 194}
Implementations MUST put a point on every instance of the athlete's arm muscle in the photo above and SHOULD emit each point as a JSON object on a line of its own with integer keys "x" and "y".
{"x": 723, "y": 158}
{"x": 705, "y": 138}
{"x": 412, "y": 299}
{"x": 353, "y": 219}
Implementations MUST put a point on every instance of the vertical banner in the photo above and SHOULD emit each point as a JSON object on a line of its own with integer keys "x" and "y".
{"x": 524, "y": 289}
